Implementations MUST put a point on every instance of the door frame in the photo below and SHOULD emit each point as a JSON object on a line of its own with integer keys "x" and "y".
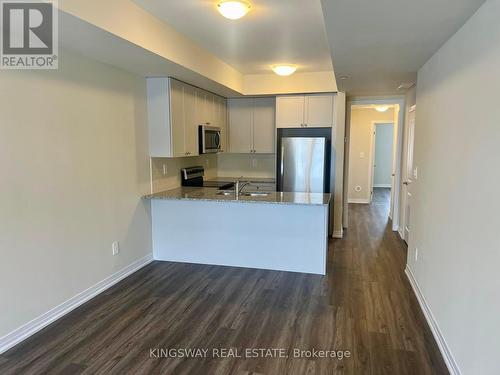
{"x": 399, "y": 128}
{"x": 373, "y": 140}
{"x": 407, "y": 174}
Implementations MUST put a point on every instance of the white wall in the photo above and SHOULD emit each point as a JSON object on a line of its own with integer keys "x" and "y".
{"x": 382, "y": 173}
{"x": 74, "y": 165}
{"x": 455, "y": 215}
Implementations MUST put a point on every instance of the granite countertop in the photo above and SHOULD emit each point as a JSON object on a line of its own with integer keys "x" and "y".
{"x": 245, "y": 179}
{"x": 210, "y": 194}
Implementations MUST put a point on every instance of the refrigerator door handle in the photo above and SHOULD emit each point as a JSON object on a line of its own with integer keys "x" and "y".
{"x": 282, "y": 167}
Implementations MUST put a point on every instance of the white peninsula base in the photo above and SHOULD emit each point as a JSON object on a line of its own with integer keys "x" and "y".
{"x": 285, "y": 237}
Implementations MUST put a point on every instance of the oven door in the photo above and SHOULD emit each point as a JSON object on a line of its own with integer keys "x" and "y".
{"x": 209, "y": 139}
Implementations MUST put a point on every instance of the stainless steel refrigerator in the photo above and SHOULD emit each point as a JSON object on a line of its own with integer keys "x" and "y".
{"x": 305, "y": 162}
{"x": 302, "y": 164}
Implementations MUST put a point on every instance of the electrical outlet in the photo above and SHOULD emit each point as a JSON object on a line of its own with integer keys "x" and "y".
{"x": 416, "y": 254}
{"x": 115, "y": 247}
{"x": 165, "y": 169}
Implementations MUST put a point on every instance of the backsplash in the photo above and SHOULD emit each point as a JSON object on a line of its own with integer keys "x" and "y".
{"x": 221, "y": 165}
{"x": 248, "y": 165}
{"x": 172, "y": 178}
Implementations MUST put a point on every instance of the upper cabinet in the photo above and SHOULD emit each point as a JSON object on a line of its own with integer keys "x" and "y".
{"x": 300, "y": 111}
{"x": 251, "y": 125}
{"x": 175, "y": 111}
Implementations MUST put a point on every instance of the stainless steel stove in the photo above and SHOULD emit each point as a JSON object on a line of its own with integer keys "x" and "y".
{"x": 194, "y": 176}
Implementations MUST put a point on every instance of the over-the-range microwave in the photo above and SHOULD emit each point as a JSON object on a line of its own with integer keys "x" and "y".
{"x": 209, "y": 137}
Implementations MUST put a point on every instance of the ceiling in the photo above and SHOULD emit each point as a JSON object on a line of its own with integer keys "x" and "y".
{"x": 380, "y": 44}
{"x": 274, "y": 31}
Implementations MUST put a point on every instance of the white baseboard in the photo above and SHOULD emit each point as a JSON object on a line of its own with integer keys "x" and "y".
{"x": 338, "y": 233}
{"x": 451, "y": 364}
{"x": 382, "y": 185}
{"x": 13, "y": 338}
{"x": 359, "y": 200}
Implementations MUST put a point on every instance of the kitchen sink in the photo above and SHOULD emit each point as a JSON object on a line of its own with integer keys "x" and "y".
{"x": 226, "y": 193}
{"x": 255, "y": 194}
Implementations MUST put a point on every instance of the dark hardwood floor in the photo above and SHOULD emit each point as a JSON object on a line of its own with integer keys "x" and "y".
{"x": 364, "y": 305}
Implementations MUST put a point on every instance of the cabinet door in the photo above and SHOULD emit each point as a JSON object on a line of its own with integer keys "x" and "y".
{"x": 177, "y": 118}
{"x": 264, "y": 127}
{"x": 190, "y": 124}
{"x": 222, "y": 122}
{"x": 319, "y": 111}
{"x": 210, "y": 109}
{"x": 200, "y": 107}
{"x": 290, "y": 111}
{"x": 240, "y": 125}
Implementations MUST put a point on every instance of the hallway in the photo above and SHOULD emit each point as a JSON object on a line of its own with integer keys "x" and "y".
{"x": 391, "y": 334}
{"x": 364, "y": 305}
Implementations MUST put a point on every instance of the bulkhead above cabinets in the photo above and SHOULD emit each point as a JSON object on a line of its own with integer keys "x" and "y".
{"x": 175, "y": 112}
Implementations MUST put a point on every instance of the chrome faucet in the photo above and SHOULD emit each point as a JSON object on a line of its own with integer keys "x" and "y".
{"x": 238, "y": 186}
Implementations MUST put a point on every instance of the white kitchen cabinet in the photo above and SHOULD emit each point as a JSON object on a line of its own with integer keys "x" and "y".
{"x": 251, "y": 125}
{"x": 221, "y": 121}
{"x": 319, "y": 111}
{"x": 264, "y": 129}
{"x": 190, "y": 124}
{"x": 290, "y": 111}
{"x": 177, "y": 122}
{"x": 240, "y": 126}
{"x": 175, "y": 111}
{"x": 302, "y": 111}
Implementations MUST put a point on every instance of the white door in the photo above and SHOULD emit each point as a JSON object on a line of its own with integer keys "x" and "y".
{"x": 290, "y": 111}
{"x": 319, "y": 111}
{"x": 263, "y": 125}
{"x": 408, "y": 175}
{"x": 240, "y": 126}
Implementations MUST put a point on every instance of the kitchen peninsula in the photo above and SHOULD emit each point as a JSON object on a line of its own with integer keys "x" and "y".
{"x": 272, "y": 230}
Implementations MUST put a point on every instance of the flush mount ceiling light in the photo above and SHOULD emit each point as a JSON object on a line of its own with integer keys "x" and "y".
{"x": 382, "y": 108}
{"x": 233, "y": 9}
{"x": 284, "y": 70}
{"x": 343, "y": 77}
{"x": 406, "y": 85}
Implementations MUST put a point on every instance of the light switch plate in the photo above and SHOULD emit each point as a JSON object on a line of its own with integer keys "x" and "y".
{"x": 415, "y": 173}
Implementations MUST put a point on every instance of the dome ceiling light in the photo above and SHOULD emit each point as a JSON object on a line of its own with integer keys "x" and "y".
{"x": 233, "y": 9}
{"x": 284, "y": 70}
